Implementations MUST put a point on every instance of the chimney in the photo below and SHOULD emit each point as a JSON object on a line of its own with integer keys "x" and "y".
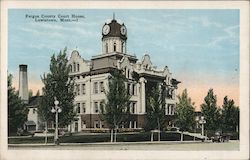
{"x": 23, "y": 83}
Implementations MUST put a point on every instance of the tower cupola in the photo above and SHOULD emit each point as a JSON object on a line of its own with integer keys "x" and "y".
{"x": 114, "y": 37}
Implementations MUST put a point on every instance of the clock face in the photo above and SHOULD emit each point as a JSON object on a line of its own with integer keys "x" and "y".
{"x": 123, "y": 30}
{"x": 105, "y": 29}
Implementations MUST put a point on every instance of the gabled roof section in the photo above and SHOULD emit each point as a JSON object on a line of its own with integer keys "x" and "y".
{"x": 146, "y": 62}
{"x": 78, "y": 64}
{"x": 124, "y": 63}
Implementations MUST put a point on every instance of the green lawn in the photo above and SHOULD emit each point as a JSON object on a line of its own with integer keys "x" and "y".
{"x": 27, "y": 140}
{"x": 105, "y": 137}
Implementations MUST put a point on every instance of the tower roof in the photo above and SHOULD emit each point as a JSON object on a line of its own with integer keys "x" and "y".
{"x": 115, "y": 30}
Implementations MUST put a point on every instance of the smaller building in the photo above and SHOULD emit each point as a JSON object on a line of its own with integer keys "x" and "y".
{"x": 33, "y": 123}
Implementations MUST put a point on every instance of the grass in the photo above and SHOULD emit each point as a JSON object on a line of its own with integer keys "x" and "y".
{"x": 29, "y": 140}
{"x": 105, "y": 137}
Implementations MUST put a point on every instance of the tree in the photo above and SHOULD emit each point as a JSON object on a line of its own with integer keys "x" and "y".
{"x": 17, "y": 111}
{"x": 115, "y": 111}
{"x": 57, "y": 84}
{"x": 185, "y": 113}
{"x": 30, "y": 93}
{"x": 38, "y": 93}
{"x": 210, "y": 111}
{"x": 230, "y": 115}
{"x": 156, "y": 109}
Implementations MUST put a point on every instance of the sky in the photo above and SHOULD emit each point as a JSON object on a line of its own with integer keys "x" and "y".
{"x": 199, "y": 46}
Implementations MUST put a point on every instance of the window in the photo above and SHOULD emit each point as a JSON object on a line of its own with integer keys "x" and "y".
{"x": 132, "y": 107}
{"x": 102, "y": 105}
{"x": 74, "y": 65}
{"x": 135, "y": 89}
{"x": 96, "y": 124}
{"x": 135, "y": 123}
{"x": 114, "y": 47}
{"x": 125, "y": 71}
{"x": 70, "y": 68}
{"x": 101, "y": 87}
{"x": 106, "y": 46}
{"x": 130, "y": 124}
{"x": 78, "y": 89}
{"x": 95, "y": 87}
{"x": 83, "y": 89}
{"x": 101, "y": 124}
{"x": 83, "y": 108}
{"x": 96, "y": 107}
{"x": 128, "y": 74}
{"x": 169, "y": 93}
{"x": 78, "y": 110}
{"x": 170, "y": 109}
{"x": 34, "y": 110}
{"x": 128, "y": 89}
{"x": 123, "y": 47}
{"x": 83, "y": 124}
{"x": 78, "y": 67}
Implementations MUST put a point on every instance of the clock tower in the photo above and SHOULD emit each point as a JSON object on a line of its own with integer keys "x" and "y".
{"x": 114, "y": 37}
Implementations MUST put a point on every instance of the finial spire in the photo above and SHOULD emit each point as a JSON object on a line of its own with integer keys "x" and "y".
{"x": 113, "y": 16}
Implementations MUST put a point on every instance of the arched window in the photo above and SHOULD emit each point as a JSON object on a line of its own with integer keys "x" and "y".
{"x": 114, "y": 47}
{"x": 123, "y": 47}
{"x": 128, "y": 73}
{"x": 70, "y": 68}
{"x": 78, "y": 67}
{"x": 74, "y": 66}
{"x": 125, "y": 71}
{"x": 106, "y": 47}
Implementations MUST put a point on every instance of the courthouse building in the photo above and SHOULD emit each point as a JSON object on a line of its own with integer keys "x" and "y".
{"x": 91, "y": 77}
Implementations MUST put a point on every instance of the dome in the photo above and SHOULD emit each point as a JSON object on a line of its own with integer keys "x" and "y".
{"x": 114, "y": 29}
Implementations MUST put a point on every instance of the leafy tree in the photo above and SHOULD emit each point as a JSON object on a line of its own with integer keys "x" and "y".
{"x": 230, "y": 115}
{"x": 17, "y": 111}
{"x": 155, "y": 106}
{"x": 57, "y": 84}
{"x": 156, "y": 109}
{"x": 210, "y": 111}
{"x": 185, "y": 112}
{"x": 115, "y": 111}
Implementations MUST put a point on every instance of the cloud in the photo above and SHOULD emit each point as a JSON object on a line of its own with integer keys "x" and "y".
{"x": 205, "y": 21}
{"x": 230, "y": 35}
{"x": 38, "y": 32}
{"x": 65, "y": 29}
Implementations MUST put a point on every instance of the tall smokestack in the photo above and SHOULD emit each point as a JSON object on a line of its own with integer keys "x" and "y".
{"x": 23, "y": 83}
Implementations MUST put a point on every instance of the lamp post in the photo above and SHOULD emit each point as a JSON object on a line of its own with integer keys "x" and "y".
{"x": 202, "y": 122}
{"x": 197, "y": 122}
{"x": 56, "y": 110}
